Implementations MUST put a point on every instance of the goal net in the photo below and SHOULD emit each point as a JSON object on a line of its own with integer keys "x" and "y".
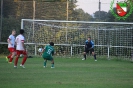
{"x": 112, "y": 39}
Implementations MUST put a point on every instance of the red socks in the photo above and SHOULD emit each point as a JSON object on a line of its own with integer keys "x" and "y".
{"x": 24, "y": 60}
{"x": 16, "y": 61}
{"x": 9, "y": 56}
{"x": 10, "y": 59}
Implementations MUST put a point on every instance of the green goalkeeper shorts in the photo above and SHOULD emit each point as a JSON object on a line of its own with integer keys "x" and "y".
{"x": 47, "y": 57}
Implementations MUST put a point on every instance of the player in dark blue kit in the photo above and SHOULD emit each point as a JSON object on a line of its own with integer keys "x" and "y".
{"x": 89, "y": 47}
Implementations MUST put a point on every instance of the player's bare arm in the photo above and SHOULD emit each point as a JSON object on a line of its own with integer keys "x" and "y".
{"x": 8, "y": 40}
{"x": 43, "y": 50}
{"x": 23, "y": 46}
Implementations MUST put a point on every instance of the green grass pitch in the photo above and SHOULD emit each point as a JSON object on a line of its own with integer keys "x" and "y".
{"x": 68, "y": 73}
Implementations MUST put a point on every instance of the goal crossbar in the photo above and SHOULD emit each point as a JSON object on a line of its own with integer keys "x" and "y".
{"x": 64, "y": 21}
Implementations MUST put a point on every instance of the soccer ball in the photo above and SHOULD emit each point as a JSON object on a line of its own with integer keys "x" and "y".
{"x": 21, "y": 55}
{"x": 40, "y": 50}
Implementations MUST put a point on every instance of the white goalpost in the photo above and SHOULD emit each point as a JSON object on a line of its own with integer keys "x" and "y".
{"x": 112, "y": 39}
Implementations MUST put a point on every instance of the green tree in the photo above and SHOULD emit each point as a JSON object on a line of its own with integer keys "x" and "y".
{"x": 100, "y": 15}
{"x": 110, "y": 17}
{"x": 80, "y": 15}
{"x": 8, "y": 25}
{"x": 7, "y": 7}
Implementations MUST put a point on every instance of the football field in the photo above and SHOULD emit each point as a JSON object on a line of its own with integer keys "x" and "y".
{"x": 68, "y": 73}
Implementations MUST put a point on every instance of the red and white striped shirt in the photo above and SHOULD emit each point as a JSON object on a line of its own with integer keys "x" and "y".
{"x": 19, "y": 40}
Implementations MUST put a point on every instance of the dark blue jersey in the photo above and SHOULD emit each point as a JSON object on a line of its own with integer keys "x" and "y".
{"x": 89, "y": 44}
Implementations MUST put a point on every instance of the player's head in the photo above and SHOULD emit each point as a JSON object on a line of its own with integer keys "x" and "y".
{"x": 51, "y": 43}
{"x": 21, "y": 31}
{"x": 89, "y": 38}
{"x": 13, "y": 32}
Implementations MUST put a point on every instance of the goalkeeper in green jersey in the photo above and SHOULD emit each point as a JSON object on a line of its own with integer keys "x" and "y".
{"x": 47, "y": 54}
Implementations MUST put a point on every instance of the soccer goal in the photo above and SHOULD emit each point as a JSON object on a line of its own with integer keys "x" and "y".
{"x": 112, "y": 39}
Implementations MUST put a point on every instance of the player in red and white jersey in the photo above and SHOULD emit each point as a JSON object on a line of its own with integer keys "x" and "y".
{"x": 11, "y": 46}
{"x": 20, "y": 49}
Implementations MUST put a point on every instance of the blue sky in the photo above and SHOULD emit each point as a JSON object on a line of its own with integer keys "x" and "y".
{"x": 90, "y": 6}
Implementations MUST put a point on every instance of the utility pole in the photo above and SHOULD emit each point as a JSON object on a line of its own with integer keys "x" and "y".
{"x": 1, "y": 20}
{"x": 67, "y": 10}
{"x": 99, "y": 9}
{"x": 34, "y": 8}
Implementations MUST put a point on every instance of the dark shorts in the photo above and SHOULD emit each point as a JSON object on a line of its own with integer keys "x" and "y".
{"x": 47, "y": 57}
{"x": 87, "y": 50}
